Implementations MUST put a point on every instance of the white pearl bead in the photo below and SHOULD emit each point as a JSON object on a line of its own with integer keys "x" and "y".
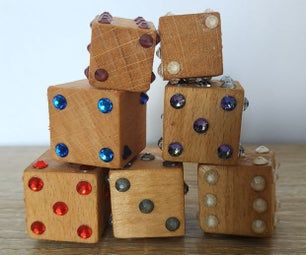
{"x": 211, "y": 21}
{"x": 258, "y": 226}
{"x": 260, "y": 161}
{"x": 173, "y": 67}
{"x": 260, "y": 205}
{"x": 211, "y": 177}
{"x": 158, "y": 52}
{"x": 262, "y": 149}
{"x": 258, "y": 183}
{"x": 210, "y": 200}
{"x": 212, "y": 221}
{"x": 160, "y": 70}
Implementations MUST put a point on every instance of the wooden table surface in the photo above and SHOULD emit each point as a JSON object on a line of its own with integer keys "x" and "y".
{"x": 289, "y": 237}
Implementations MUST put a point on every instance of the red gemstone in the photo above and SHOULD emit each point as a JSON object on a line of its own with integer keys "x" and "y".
{"x": 60, "y": 208}
{"x": 101, "y": 75}
{"x": 40, "y": 164}
{"x": 36, "y": 184}
{"x": 146, "y": 41}
{"x": 84, "y": 232}
{"x": 38, "y": 228}
{"x": 84, "y": 188}
{"x": 86, "y": 72}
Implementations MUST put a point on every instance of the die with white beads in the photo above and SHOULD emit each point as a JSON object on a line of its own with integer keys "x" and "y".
{"x": 238, "y": 200}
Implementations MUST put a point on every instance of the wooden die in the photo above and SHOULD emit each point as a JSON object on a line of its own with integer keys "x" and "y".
{"x": 191, "y": 45}
{"x": 65, "y": 202}
{"x": 202, "y": 124}
{"x": 96, "y": 127}
{"x": 121, "y": 53}
{"x": 238, "y": 200}
{"x": 147, "y": 199}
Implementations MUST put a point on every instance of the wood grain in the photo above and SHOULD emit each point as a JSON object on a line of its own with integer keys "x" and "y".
{"x": 164, "y": 186}
{"x": 224, "y": 126}
{"x": 187, "y": 40}
{"x": 86, "y": 130}
{"x": 115, "y": 47}
{"x": 235, "y": 197}
{"x": 60, "y": 182}
{"x": 289, "y": 236}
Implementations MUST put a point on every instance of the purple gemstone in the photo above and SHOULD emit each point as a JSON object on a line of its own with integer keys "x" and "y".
{"x": 88, "y": 47}
{"x": 86, "y": 72}
{"x": 177, "y": 101}
{"x": 153, "y": 77}
{"x": 225, "y": 151}
{"x": 101, "y": 75}
{"x": 143, "y": 24}
{"x": 146, "y": 41}
{"x": 228, "y": 103}
{"x": 175, "y": 149}
{"x": 200, "y": 125}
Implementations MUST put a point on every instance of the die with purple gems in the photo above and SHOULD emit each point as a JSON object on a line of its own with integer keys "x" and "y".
{"x": 201, "y": 125}
{"x": 225, "y": 151}
{"x": 228, "y": 103}
{"x": 175, "y": 149}
{"x": 177, "y": 101}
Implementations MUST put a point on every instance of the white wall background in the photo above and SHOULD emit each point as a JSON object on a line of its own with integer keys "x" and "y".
{"x": 44, "y": 43}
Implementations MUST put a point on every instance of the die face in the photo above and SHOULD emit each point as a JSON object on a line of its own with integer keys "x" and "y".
{"x": 66, "y": 212}
{"x": 143, "y": 208}
{"x": 189, "y": 48}
{"x": 201, "y": 130}
{"x": 91, "y": 129}
{"x": 230, "y": 204}
{"x": 125, "y": 51}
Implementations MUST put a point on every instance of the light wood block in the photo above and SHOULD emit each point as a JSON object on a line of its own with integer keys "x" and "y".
{"x": 224, "y": 127}
{"x": 164, "y": 186}
{"x": 116, "y": 48}
{"x": 60, "y": 181}
{"x": 232, "y": 211}
{"x": 85, "y": 130}
{"x": 187, "y": 40}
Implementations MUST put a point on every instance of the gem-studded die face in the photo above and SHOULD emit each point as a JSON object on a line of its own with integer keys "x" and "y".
{"x": 139, "y": 203}
{"x": 96, "y": 127}
{"x": 202, "y": 124}
{"x": 183, "y": 58}
{"x": 63, "y": 203}
{"x": 221, "y": 186}
{"x": 129, "y": 42}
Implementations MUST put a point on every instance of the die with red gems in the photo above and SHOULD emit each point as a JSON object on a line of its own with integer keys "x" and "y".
{"x": 121, "y": 53}
{"x": 66, "y": 202}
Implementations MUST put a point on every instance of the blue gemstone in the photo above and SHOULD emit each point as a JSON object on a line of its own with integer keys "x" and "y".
{"x": 225, "y": 151}
{"x": 144, "y": 98}
{"x": 126, "y": 152}
{"x": 61, "y": 150}
{"x": 175, "y": 149}
{"x": 228, "y": 103}
{"x": 200, "y": 125}
{"x": 59, "y": 102}
{"x": 177, "y": 101}
{"x": 105, "y": 105}
{"x": 106, "y": 154}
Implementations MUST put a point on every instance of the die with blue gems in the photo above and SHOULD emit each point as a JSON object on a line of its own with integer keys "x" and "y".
{"x": 96, "y": 127}
{"x": 202, "y": 123}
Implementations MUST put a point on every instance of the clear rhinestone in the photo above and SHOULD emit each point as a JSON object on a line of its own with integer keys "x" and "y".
{"x": 258, "y": 183}
{"x": 211, "y": 221}
{"x": 258, "y": 226}
{"x": 260, "y": 205}
{"x": 173, "y": 67}
{"x": 211, "y": 21}
{"x": 210, "y": 200}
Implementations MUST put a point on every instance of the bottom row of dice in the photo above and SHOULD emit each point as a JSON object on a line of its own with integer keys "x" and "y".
{"x": 69, "y": 202}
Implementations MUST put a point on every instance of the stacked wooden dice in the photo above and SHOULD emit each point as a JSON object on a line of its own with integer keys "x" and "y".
{"x": 94, "y": 167}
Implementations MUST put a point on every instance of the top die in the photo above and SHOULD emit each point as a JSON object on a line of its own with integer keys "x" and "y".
{"x": 121, "y": 53}
{"x": 191, "y": 45}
